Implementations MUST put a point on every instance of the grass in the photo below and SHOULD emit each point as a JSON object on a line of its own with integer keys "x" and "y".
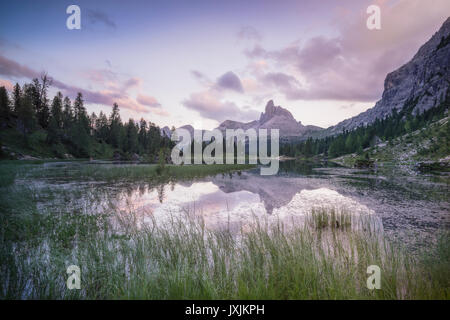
{"x": 330, "y": 218}
{"x": 184, "y": 260}
{"x": 133, "y": 172}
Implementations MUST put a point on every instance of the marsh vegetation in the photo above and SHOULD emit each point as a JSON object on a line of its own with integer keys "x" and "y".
{"x": 125, "y": 253}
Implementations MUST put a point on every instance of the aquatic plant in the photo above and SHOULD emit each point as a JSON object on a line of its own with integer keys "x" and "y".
{"x": 121, "y": 258}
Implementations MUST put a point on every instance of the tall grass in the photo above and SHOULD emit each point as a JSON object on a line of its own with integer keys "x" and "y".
{"x": 182, "y": 259}
{"x": 334, "y": 218}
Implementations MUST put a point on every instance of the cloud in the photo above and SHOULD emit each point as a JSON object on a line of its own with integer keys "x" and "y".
{"x": 324, "y": 70}
{"x": 227, "y": 81}
{"x": 202, "y": 78}
{"x": 116, "y": 93}
{"x": 352, "y": 66}
{"x": 95, "y": 16}
{"x": 7, "y": 84}
{"x": 317, "y": 55}
{"x": 105, "y": 97}
{"x": 248, "y": 33}
{"x": 257, "y": 52}
{"x": 132, "y": 83}
{"x": 11, "y": 68}
{"x": 100, "y": 75}
{"x": 148, "y": 101}
{"x": 197, "y": 74}
{"x": 230, "y": 81}
{"x": 110, "y": 79}
{"x": 281, "y": 80}
{"x": 210, "y": 105}
{"x": 211, "y": 102}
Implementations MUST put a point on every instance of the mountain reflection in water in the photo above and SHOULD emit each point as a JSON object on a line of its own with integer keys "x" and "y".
{"x": 412, "y": 208}
{"x": 234, "y": 203}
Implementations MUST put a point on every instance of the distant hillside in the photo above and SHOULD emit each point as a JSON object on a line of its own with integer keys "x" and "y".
{"x": 428, "y": 144}
{"x": 386, "y": 130}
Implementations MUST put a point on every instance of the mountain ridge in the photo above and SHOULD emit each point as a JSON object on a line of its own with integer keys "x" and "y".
{"x": 273, "y": 117}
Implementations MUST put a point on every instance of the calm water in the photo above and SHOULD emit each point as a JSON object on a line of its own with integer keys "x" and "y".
{"x": 410, "y": 207}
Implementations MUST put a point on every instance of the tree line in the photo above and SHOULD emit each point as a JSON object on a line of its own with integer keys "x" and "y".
{"x": 396, "y": 124}
{"x": 69, "y": 128}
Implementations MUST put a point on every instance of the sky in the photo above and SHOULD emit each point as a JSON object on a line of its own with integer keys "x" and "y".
{"x": 201, "y": 62}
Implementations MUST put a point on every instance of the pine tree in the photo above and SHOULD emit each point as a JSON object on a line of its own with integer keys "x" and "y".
{"x": 5, "y": 107}
{"x": 40, "y": 100}
{"x": 115, "y": 124}
{"x": 102, "y": 128}
{"x": 55, "y": 125}
{"x": 131, "y": 144}
{"x": 17, "y": 93}
{"x": 142, "y": 137}
{"x": 26, "y": 117}
{"x": 67, "y": 116}
{"x": 80, "y": 131}
{"x": 93, "y": 124}
{"x": 69, "y": 128}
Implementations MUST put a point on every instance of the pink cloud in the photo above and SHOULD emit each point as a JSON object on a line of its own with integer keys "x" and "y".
{"x": 153, "y": 104}
{"x": 117, "y": 93}
{"x": 132, "y": 83}
{"x": 210, "y": 105}
{"x": 353, "y": 65}
{"x": 148, "y": 101}
{"x": 7, "y": 84}
{"x": 100, "y": 75}
{"x": 11, "y": 68}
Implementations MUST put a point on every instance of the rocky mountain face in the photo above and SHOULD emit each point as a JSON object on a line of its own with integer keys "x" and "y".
{"x": 420, "y": 84}
{"x": 274, "y": 117}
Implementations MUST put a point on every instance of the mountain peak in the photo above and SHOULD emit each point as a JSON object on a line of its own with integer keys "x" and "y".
{"x": 272, "y": 111}
{"x": 270, "y": 104}
{"x": 273, "y": 117}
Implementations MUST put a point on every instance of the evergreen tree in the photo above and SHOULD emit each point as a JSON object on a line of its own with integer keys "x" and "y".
{"x": 17, "y": 94}
{"x": 142, "y": 137}
{"x": 67, "y": 115}
{"x": 40, "y": 100}
{"x": 55, "y": 125}
{"x": 115, "y": 124}
{"x": 93, "y": 124}
{"x": 131, "y": 144}
{"x": 81, "y": 130}
{"x": 70, "y": 129}
{"x": 102, "y": 128}
{"x": 5, "y": 107}
{"x": 26, "y": 117}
